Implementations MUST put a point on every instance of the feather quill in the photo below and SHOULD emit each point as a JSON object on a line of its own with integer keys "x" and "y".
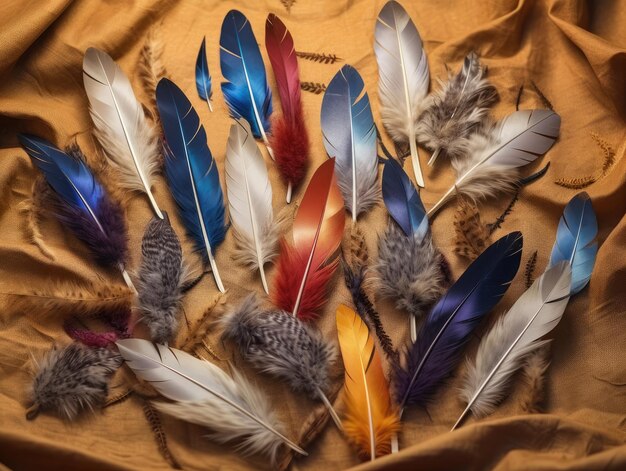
{"x": 370, "y": 420}
{"x": 71, "y": 379}
{"x": 81, "y": 203}
{"x": 576, "y": 240}
{"x": 409, "y": 265}
{"x": 448, "y": 327}
{"x": 404, "y": 77}
{"x": 350, "y": 137}
{"x": 290, "y": 140}
{"x": 456, "y": 111}
{"x": 245, "y": 90}
{"x": 203, "y": 77}
{"x": 305, "y": 268}
{"x": 495, "y": 157}
{"x": 284, "y": 347}
{"x": 126, "y": 136}
{"x": 192, "y": 173}
{"x": 160, "y": 280}
{"x": 513, "y": 337}
{"x": 203, "y": 394}
{"x": 250, "y": 200}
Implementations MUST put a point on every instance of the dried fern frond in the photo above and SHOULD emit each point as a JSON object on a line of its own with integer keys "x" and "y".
{"x": 320, "y": 57}
{"x": 152, "y": 416}
{"x": 313, "y": 87}
{"x": 196, "y": 338}
{"x": 529, "y": 271}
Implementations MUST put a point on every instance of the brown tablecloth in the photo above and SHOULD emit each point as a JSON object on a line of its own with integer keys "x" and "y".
{"x": 571, "y": 51}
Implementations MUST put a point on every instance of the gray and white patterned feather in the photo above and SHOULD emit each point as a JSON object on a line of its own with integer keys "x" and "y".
{"x": 72, "y": 379}
{"x": 409, "y": 270}
{"x": 231, "y": 407}
{"x": 250, "y": 200}
{"x": 496, "y": 154}
{"x": 281, "y": 345}
{"x": 404, "y": 77}
{"x": 160, "y": 279}
{"x": 515, "y": 335}
{"x": 129, "y": 139}
{"x": 456, "y": 111}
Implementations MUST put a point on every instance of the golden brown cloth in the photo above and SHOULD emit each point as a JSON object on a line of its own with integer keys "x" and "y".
{"x": 571, "y": 52}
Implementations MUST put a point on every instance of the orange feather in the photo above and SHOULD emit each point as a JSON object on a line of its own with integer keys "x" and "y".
{"x": 371, "y": 420}
{"x": 305, "y": 268}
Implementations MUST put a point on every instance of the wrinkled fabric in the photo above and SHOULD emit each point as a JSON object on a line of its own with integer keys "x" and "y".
{"x": 573, "y": 51}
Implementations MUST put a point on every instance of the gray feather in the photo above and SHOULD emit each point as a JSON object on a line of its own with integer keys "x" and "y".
{"x": 456, "y": 110}
{"x": 281, "y": 345}
{"x": 409, "y": 270}
{"x": 160, "y": 280}
{"x": 72, "y": 379}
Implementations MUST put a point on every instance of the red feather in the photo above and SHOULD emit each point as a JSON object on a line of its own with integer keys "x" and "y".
{"x": 289, "y": 140}
{"x": 304, "y": 269}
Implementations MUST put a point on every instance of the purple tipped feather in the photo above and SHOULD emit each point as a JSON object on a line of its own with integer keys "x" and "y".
{"x": 448, "y": 327}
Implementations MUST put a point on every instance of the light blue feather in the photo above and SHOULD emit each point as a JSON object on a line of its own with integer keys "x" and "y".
{"x": 191, "y": 171}
{"x": 350, "y": 136}
{"x": 203, "y": 77}
{"x": 245, "y": 90}
{"x": 576, "y": 240}
{"x": 403, "y": 202}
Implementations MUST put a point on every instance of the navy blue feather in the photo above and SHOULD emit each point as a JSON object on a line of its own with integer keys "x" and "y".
{"x": 203, "y": 77}
{"x": 246, "y": 91}
{"x": 191, "y": 170}
{"x": 402, "y": 200}
{"x": 448, "y": 327}
{"x": 82, "y": 204}
{"x": 576, "y": 240}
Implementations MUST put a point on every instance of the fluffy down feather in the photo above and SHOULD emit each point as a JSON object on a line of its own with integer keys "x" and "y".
{"x": 160, "y": 279}
{"x": 282, "y": 346}
{"x": 290, "y": 142}
{"x": 456, "y": 110}
{"x": 72, "y": 379}
{"x": 409, "y": 270}
{"x": 227, "y": 424}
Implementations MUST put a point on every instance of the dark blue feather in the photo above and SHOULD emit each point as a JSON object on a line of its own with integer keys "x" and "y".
{"x": 576, "y": 240}
{"x": 83, "y": 204}
{"x": 245, "y": 91}
{"x": 203, "y": 77}
{"x": 448, "y": 327}
{"x": 403, "y": 201}
{"x": 191, "y": 171}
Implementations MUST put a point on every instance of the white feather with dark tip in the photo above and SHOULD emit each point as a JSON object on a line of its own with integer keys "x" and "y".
{"x": 250, "y": 200}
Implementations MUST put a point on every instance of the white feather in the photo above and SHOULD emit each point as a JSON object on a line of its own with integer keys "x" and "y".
{"x": 404, "y": 76}
{"x": 513, "y": 337}
{"x": 205, "y": 395}
{"x": 250, "y": 199}
{"x": 495, "y": 157}
{"x": 126, "y": 136}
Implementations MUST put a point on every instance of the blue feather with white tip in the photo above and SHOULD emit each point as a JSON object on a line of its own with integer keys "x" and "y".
{"x": 246, "y": 91}
{"x": 192, "y": 172}
{"x": 203, "y": 77}
{"x": 350, "y": 136}
{"x": 576, "y": 240}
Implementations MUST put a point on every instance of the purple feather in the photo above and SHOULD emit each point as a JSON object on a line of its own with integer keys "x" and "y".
{"x": 448, "y": 327}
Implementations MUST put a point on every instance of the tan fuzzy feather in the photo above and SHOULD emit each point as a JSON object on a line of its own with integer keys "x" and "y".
{"x": 151, "y": 67}
{"x": 196, "y": 338}
{"x": 357, "y": 255}
{"x": 32, "y": 207}
{"x": 471, "y": 235}
{"x": 535, "y": 366}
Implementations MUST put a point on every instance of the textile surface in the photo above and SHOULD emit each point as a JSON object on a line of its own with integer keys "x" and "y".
{"x": 570, "y": 53}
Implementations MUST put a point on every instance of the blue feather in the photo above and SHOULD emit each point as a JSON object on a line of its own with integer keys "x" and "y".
{"x": 83, "y": 204}
{"x": 449, "y": 325}
{"x": 350, "y": 136}
{"x": 203, "y": 77}
{"x": 403, "y": 201}
{"x": 576, "y": 240}
{"x": 246, "y": 91}
{"x": 192, "y": 172}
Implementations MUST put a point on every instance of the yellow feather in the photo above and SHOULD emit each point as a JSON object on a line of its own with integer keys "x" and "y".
{"x": 370, "y": 419}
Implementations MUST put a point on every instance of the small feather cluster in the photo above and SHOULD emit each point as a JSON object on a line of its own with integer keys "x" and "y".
{"x": 409, "y": 270}
{"x": 160, "y": 279}
{"x": 281, "y": 345}
{"x": 72, "y": 379}
{"x": 457, "y": 110}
